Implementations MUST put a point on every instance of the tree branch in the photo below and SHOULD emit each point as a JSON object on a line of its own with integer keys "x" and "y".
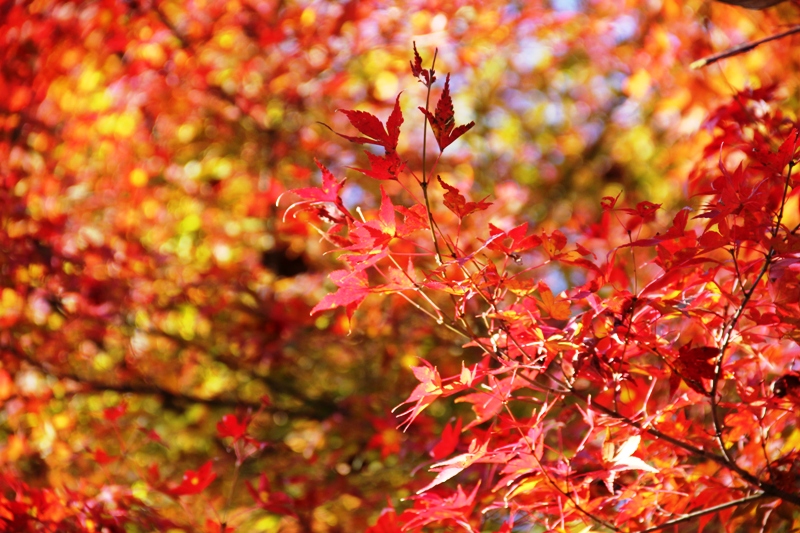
{"x": 768, "y": 488}
{"x": 741, "y": 49}
{"x": 312, "y": 412}
{"x": 702, "y": 512}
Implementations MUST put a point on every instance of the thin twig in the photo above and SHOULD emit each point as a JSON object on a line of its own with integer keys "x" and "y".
{"x": 742, "y": 48}
{"x": 701, "y": 512}
{"x": 727, "y": 336}
{"x": 549, "y": 478}
{"x": 768, "y": 488}
{"x": 424, "y": 183}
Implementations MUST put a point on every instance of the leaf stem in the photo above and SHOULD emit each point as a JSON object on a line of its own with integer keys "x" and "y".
{"x": 425, "y": 181}
{"x": 224, "y": 519}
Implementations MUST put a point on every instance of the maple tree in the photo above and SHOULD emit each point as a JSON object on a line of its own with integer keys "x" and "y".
{"x": 567, "y": 388}
{"x": 574, "y": 345}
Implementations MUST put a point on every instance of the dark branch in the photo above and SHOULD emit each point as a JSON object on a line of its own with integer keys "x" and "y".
{"x": 742, "y": 48}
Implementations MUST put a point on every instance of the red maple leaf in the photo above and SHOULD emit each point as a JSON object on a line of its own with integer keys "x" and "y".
{"x": 677, "y": 230}
{"x": 372, "y": 237}
{"x": 194, "y": 482}
{"x": 608, "y": 202}
{"x": 414, "y": 218}
{"x": 417, "y": 70}
{"x": 112, "y": 414}
{"x": 328, "y": 192}
{"x": 487, "y": 402}
{"x": 644, "y": 210}
{"x": 273, "y": 501}
{"x": 386, "y": 438}
{"x": 459, "y": 205}
{"x": 693, "y": 365}
{"x": 353, "y": 289}
{"x": 102, "y": 457}
{"x": 449, "y": 441}
{"x": 776, "y": 162}
{"x": 557, "y": 308}
{"x": 382, "y": 168}
{"x": 319, "y": 199}
{"x": 455, "y": 465}
{"x": 416, "y": 64}
{"x": 230, "y": 426}
{"x": 443, "y": 121}
{"x": 387, "y": 523}
{"x": 424, "y": 394}
{"x": 153, "y": 436}
{"x": 373, "y": 129}
{"x": 430, "y": 508}
{"x": 514, "y": 241}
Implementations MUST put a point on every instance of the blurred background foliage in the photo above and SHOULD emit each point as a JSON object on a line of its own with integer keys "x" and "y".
{"x": 144, "y": 263}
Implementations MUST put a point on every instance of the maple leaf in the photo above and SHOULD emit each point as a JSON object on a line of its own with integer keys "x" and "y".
{"x": 324, "y": 200}
{"x": 194, "y": 482}
{"x": 556, "y": 309}
{"x": 328, "y": 192}
{"x": 776, "y": 162}
{"x": 452, "y": 467}
{"x": 417, "y": 70}
{"x": 373, "y": 129}
{"x": 554, "y": 243}
{"x": 376, "y": 234}
{"x": 456, "y": 202}
{"x": 112, "y": 414}
{"x": 386, "y": 214}
{"x": 429, "y": 389}
{"x": 387, "y": 439}
{"x": 735, "y": 194}
{"x": 230, "y": 426}
{"x": 528, "y": 460}
{"x": 102, "y": 457}
{"x": 416, "y": 64}
{"x": 373, "y": 237}
{"x": 676, "y": 231}
{"x": 486, "y": 403}
{"x": 624, "y": 459}
{"x": 608, "y": 202}
{"x": 272, "y": 501}
{"x": 353, "y": 289}
{"x": 387, "y": 522}
{"x": 398, "y": 280}
{"x": 644, "y": 210}
{"x": 467, "y": 376}
{"x": 360, "y": 262}
{"x": 382, "y": 168}
{"x": 430, "y": 508}
{"x": 153, "y": 436}
{"x": 520, "y": 242}
{"x": 448, "y": 442}
{"x": 443, "y": 121}
{"x": 693, "y": 365}
{"x": 414, "y": 219}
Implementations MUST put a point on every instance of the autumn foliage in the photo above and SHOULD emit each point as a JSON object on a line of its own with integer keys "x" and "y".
{"x": 213, "y": 317}
{"x": 664, "y": 348}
